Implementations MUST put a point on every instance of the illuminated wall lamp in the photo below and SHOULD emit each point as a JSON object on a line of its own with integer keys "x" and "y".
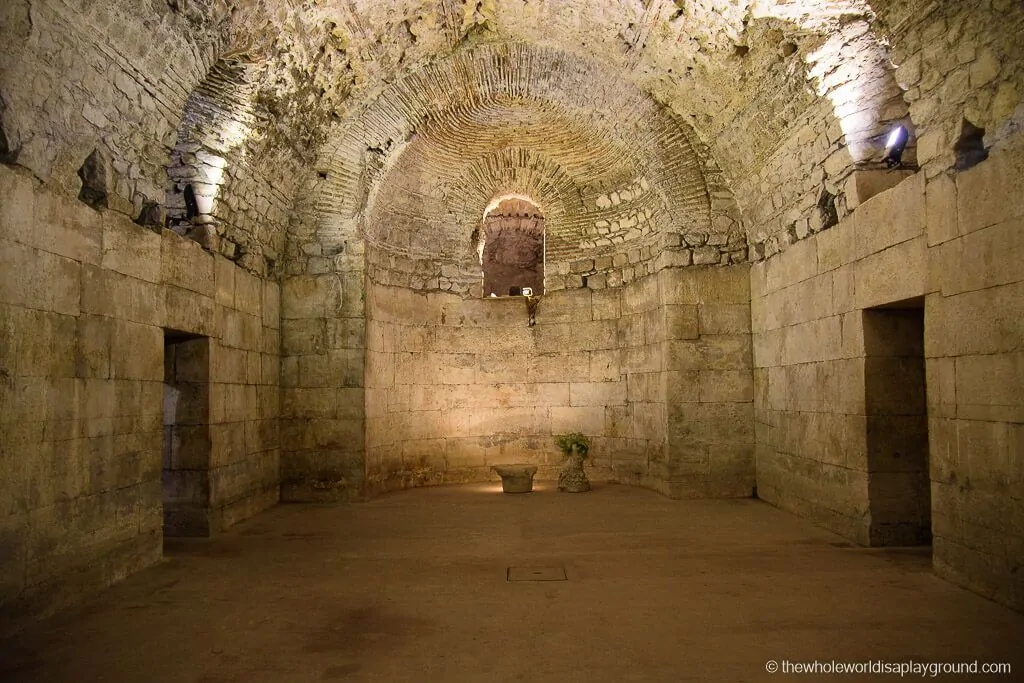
{"x": 894, "y": 147}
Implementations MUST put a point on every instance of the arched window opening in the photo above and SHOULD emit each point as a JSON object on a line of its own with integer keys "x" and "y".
{"x": 512, "y": 248}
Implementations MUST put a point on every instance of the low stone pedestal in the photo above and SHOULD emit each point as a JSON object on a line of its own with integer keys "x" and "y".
{"x": 516, "y": 478}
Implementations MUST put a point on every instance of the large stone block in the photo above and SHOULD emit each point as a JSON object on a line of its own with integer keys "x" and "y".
{"x": 606, "y": 304}
{"x": 227, "y": 364}
{"x": 648, "y": 386}
{"x": 836, "y": 246}
{"x": 424, "y": 454}
{"x": 640, "y": 296}
{"x": 705, "y": 285}
{"x": 490, "y": 421}
{"x": 597, "y": 393}
{"x": 588, "y": 420}
{"x": 238, "y": 329}
{"x": 187, "y": 311}
{"x": 647, "y": 358}
{"x": 17, "y": 205}
{"x": 587, "y": 336}
{"x": 566, "y": 306}
{"x": 983, "y": 450}
{"x": 270, "y": 338}
{"x": 248, "y": 292}
{"x": 448, "y": 339}
{"x": 271, "y": 309}
{"x": 449, "y": 309}
{"x": 503, "y": 368}
{"x": 39, "y": 279}
{"x": 940, "y": 374}
{"x": 227, "y": 443}
{"x": 705, "y": 423}
{"x": 682, "y": 321}
{"x": 605, "y": 366}
{"x": 941, "y": 210}
{"x": 630, "y": 331}
{"x": 843, "y": 289}
{"x": 978, "y": 322}
{"x": 565, "y": 366}
{"x": 114, "y": 295}
{"x": 710, "y": 352}
{"x": 891, "y": 218}
{"x": 991, "y": 193}
{"x": 239, "y": 403}
{"x": 130, "y": 249}
{"x": 185, "y": 264}
{"x": 92, "y": 351}
{"x": 350, "y": 333}
{"x": 991, "y": 387}
{"x": 618, "y": 422}
{"x": 224, "y": 279}
{"x": 36, "y": 343}
{"x": 136, "y": 351}
{"x": 807, "y": 300}
{"x": 862, "y": 185}
{"x": 67, "y": 227}
{"x": 654, "y": 325}
{"x": 791, "y": 266}
{"x": 301, "y": 336}
{"x": 718, "y": 386}
{"x": 893, "y": 275}
{"x": 420, "y": 338}
{"x": 987, "y": 257}
{"x": 724, "y": 318}
{"x": 311, "y": 296}
{"x": 649, "y": 421}
{"x": 768, "y": 347}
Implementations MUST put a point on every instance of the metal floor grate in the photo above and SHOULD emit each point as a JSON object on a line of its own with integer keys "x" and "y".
{"x": 535, "y": 574}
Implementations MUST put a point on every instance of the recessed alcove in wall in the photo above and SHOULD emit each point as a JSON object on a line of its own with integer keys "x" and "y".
{"x": 511, "y": 247}
{"x": 899, "y": 488}
{"x": 187, "y": 445}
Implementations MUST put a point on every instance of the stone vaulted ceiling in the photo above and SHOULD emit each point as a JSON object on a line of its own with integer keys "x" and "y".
{"x": 640, "y": 125}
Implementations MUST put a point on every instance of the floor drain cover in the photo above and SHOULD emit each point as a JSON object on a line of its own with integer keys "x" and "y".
{"x": 535, "y": 574}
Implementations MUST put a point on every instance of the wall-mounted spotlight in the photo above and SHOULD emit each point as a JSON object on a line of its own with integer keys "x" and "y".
{"x": 894, "y": 147}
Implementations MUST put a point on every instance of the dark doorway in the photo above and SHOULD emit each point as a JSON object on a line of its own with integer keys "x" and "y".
{"x": 186, "y": 481}
{"x": 899, "y": 489}
{"x": 512, "y": 251}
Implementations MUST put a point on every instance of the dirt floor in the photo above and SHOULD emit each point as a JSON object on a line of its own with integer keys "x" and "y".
{"x": 415, "y": 586}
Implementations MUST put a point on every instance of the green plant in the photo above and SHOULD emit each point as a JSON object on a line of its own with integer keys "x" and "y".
{"x": 567, "y": 441}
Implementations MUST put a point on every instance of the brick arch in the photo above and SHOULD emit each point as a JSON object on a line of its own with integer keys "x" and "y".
{"x": 513, "y": 118}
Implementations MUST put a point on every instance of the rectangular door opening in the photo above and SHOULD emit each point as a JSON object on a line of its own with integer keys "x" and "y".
{"x": 186, "y": 469}
{"x": 899, "y": 487}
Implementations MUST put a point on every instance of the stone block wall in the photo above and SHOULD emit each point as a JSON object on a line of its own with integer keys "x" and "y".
{"x": 974, "y": 347}
{"x": 709, "y": 448}
{"x": 85, "y": 300}
{"x": 455, "y": 386}
{"x": 322, "y": 396}
{"x": 955, "y": 245}
{"x": 809, "y": 355}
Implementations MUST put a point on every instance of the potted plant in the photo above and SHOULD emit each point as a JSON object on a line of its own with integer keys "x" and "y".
{"x": 575, "y": 446}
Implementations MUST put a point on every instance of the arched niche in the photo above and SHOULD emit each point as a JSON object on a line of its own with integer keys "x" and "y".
{"x": 512, "y": 247}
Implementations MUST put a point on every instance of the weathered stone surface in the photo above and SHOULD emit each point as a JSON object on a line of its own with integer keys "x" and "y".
{"x": 324, "y": 177}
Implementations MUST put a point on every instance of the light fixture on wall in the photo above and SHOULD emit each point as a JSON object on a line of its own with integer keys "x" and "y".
{"x": 894, "y": 147}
